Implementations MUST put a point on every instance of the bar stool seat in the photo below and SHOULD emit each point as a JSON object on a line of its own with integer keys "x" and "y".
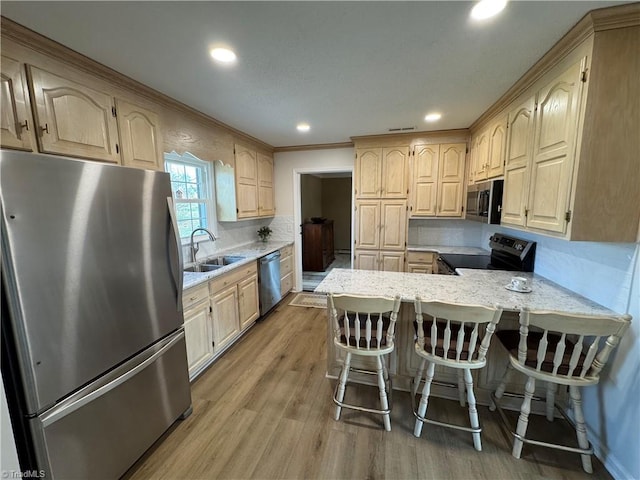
{"x": 364, "y": 326}
{"x": 566, "y": 349}
{"x": 452, "y": 338}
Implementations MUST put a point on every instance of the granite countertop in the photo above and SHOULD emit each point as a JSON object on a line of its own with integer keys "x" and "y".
{"x": 251, "y": 252}
{"x": 447, "y": 249}
{"x": 478, "y": 287}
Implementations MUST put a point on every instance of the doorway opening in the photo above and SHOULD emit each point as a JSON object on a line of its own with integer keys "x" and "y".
{"x": 325, "y": 224}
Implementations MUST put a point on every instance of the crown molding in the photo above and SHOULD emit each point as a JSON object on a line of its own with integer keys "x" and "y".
{"x": 318, "y": 146}
{"x": 35, "y": 41}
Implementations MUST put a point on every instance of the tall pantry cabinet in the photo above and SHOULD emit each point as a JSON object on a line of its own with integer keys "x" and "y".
{"x": 381, "y": 189}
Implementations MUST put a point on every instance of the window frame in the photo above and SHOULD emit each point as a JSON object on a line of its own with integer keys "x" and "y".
{"x": 208, "y": 185}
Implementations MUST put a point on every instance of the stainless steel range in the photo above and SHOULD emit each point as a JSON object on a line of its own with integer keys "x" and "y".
{"x": 507, "y": 253}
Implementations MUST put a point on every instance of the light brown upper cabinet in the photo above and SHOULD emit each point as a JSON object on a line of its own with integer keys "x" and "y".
{"x": 438, "y": 180}
{"x": 15, "y": 125}
{"x": 381, "y": 172}
{"x": 139, "y": 136}
{"x": 266, "y": 203}
{"x": 245, "y": 191}
{"x": 541, "y": 153}
{"x": 246, "y": 181}
{"x": 73, "y": 119}
{"x": 517, "y": 162}
{"x": 488, "y": 149}
{"x": 572, "y": 166}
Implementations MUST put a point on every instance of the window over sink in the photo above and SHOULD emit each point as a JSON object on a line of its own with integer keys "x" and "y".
{"x": 192, "y": 188}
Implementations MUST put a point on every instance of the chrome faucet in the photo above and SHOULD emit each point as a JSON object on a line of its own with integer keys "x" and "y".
{"x": 194, "y": 246}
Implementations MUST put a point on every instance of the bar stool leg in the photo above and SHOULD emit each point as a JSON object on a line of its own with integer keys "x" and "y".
{"x": 551, "y": 399}
{"x": 523, "y": 420}
{"x": 424, "y": 400}
{"x": 343, "y": 383}
{"x": 418, "y": 377}
{"x": 581, "y": 431}
{"x": 384, "y": 403}
{"x": 461, "y": 387}
{"x": 473, "y": 411}
{"x": 501, "y": 388}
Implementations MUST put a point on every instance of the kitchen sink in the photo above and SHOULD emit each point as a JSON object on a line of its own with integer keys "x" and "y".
{"x": 203, "y": 268}
{"x": 224, "y": 260}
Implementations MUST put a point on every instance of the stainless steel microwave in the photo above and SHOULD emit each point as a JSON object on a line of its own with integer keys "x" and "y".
{"x": 484, "y": 202}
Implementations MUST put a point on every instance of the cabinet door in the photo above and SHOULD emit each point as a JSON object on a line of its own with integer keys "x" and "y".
{"x": 425, "y": 179}
{"x": 393, "y": 220}
{"x": 249, "y": 309}
{"x": 497, "y": 142}
{"x": 73, "y": 119}
{"x": 517, "y": 164}
{"x": 15, "y": 120}
{"x": 391, "y": 261}
{"x": 368, "y": 172}
{"x": 554, "y": 150}
{"x": 367, "y": 260}
{"x": 225, "y": 316}
{"x": 451, "y": 179}
{"x": 198, "y": 336}
{"x": 482, "y": 156}
{"x": 419, "y": 268}
{"x": 139, "y": 136}
{"x": 266, "y": 204}
{"x": 246, "y": 182}
{"x": 394, "y": 172}
{"x": 367, "y": 224}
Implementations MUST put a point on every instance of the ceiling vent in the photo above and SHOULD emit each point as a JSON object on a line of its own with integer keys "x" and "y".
{"x": 403, "y": 129}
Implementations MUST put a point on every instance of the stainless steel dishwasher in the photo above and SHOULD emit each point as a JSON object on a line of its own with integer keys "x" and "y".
{"x": 269, "y": 281}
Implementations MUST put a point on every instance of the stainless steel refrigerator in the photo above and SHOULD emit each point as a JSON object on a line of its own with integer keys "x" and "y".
{"x": 93, "y": 351}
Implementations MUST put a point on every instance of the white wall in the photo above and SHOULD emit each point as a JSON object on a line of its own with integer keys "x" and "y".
{"x": 287, "y": 168}
{"x": 8, "y": 453}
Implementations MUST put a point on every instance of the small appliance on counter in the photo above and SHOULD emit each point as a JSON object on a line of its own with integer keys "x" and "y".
{"x": 507, "y": 253}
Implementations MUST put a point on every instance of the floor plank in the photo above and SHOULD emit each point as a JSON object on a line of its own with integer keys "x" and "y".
{"x": 264, "y": 410}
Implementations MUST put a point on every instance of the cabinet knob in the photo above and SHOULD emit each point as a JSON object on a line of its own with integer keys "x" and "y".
{"x": 45, "y": 129}
{"x": 24, "y": 125}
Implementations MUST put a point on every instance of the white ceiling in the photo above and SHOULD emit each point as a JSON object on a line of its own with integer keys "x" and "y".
{"x": 346, "y": 68}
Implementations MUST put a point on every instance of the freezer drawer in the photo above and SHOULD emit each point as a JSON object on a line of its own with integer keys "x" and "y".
{"x": 103, "y": 429}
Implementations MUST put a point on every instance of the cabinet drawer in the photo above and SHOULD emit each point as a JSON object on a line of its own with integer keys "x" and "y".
{"x": 286, "y": 251}
{"x": 194, "y": 295}
{"x": 286, "y": 266}
{"x": 420, "y": 257}
{"x": 419, "y": 268}
{"x": 234, "y": 276}
{"x": 286, "y": 284}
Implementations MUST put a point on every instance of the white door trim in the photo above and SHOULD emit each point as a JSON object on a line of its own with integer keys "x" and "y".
{"x": 297, "y": 214}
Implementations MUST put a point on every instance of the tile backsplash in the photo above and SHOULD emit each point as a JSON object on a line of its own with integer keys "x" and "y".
{"x": 457, "y": 233}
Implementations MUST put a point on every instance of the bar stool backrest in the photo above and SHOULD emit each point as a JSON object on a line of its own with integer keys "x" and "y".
{"x": 452, "y": 335}
{"x": 571, "y": 348}
{"x": 364, "y": 323}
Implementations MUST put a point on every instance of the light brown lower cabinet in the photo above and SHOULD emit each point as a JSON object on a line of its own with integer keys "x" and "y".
{"x": 421, "y": 262}
{"x": 380, "y": 260}
{"x": 217, "y": 313}
{"x": 286, "y": 269}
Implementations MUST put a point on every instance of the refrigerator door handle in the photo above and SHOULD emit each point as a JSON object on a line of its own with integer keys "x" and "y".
{"x": 83, "y": 397}
{"x": 177, "y": 272}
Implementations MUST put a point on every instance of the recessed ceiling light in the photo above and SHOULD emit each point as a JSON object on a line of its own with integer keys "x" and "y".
{"x": 433, "y": 117}
{"x": 487, "y": 8}
{"x": 303, "y": 127}
{"x": 223, "y": 55}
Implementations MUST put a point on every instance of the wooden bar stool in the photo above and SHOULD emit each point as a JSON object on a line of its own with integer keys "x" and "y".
{"x": 364, "y": 326}
{"x": 564, "y": 349}
{"x": 452, "y": 337}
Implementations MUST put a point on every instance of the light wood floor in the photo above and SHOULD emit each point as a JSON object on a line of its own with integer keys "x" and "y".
{"x": 264, "y": 410}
